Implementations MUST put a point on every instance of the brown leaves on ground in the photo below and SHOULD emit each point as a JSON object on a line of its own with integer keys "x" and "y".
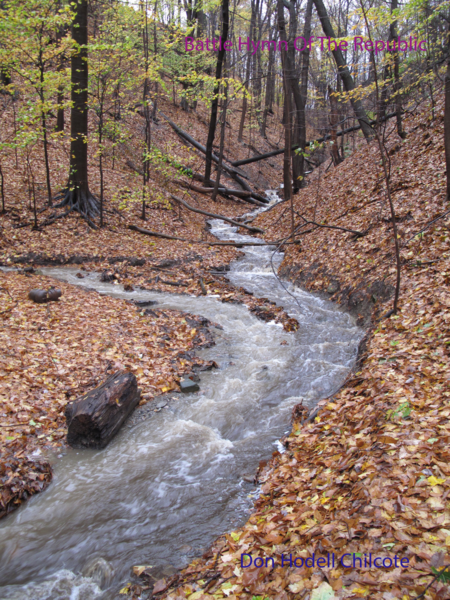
{"x": 371, "y": 473}
{"x": 54, "y": 352}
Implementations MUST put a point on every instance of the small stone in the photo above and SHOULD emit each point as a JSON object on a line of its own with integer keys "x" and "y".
{"x": 187, "y": 386}
{"x": 161, "y": 403}
{"x": 333, "y": 287}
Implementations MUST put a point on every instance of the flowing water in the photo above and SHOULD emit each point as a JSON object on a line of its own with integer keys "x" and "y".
{"x": 169, "y": 484}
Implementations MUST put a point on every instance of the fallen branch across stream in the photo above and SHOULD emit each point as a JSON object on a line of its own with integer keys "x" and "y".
{"x": 242, "y": 194}
{"x": 203, "y": 242}
{"x": 214, "y": 216}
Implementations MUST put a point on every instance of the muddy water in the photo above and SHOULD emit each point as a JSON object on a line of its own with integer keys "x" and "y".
{"x": 170, "y": 483}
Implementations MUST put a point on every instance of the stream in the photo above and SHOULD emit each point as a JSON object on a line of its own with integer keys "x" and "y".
{"x": 171, "y": 482}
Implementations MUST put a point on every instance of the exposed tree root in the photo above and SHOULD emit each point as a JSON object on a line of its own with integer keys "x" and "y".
{"x": 86, "y": 205}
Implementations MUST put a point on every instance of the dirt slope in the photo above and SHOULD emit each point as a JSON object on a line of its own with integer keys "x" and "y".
{"x": 370, "y": 473}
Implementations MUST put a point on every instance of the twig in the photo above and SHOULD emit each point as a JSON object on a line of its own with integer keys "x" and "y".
{"x": 357, "y": 233}
{"x": 436, "y": 576}
{"x": 11, "y": 307}
{"x": 426, "y": 227}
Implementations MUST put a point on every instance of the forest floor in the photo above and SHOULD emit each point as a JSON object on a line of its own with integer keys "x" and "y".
{"x": 53, "y": 353}
{"x": 369, "y": 475}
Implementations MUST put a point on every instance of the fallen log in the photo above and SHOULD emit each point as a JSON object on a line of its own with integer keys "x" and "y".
{"x": 247, "y": 196}
{"x": 234, "y": 173}
{"x": 156, "y": 234}
{"x": 209, "y": 190}
{"x": 43, "y": 296}
{"x": 95, "y": 418}
{"x": 214, "y": 216}
{"x": 202, "y": 242}
{"x": 247, "y": 161}
{"x": 199, "y": 146}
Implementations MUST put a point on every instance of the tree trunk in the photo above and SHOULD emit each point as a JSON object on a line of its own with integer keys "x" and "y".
{"x": 247, "y": 78}
{"x": 215, "y": 102}
{"x": 291, "y": 86}
{"x": 79, "y": 113}
{"x": 269, "y": 85}
{"x": 222, "y": 145}
{"x": 347, "y": 79}
{"x": 398, "y": 99}
{"x": 95, "y": 418}
{"x": 301, "y": 115}
{"x": 447, "y": 115}
{"x": 77, "y": 195}
{"x": 334, "y": 117}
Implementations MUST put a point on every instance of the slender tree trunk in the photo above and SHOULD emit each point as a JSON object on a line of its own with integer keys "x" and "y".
{"x": 447, "y": 115}
{"x": 47, "y": 162}
{"x": 269, "y": 84}
{"x": 78, "y": 179}
{"x": 291, "y": 85}
{"x": 247, "y": 78}
{"x": 222, "y": 144}
{"x": 334, "y": 117}
{"x": 398, "y": 98}
{"x": 215, "y": 102}
{"x": 2, "y": 188}
{"x": 147, "y": 115}
{"x": 60, "y": 95}
{"x": 304, "y": 88}
{"x": 347, "y": 79}
{"x": 44, "y": 132}
{"x": 287, "y": 72}
{"x": 60, "y": 113}
{"x": 100, "y": 144}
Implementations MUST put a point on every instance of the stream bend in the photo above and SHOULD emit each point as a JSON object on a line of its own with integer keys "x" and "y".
{"x": 168, "y": 485}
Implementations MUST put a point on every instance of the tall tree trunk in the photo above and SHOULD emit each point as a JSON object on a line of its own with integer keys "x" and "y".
{"x": 287, "y": 74}
{"x": 222, "y": 144}
{"x": 304, "y": 88}
{"x": 215, "y": 102}
{"x": 79, "y": 113}
{"x": 291, "y": 84}
{"x": 247, "y": 78}
{"x": 334, "y": 117}
{"x": 77, "y": 196}
{"x": 447, "y": 115}
{"x": 347, "y": 79}
{"x": 398, "y": 99}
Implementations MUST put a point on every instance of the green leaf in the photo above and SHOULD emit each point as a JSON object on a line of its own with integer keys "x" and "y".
{"x": 442, "y": 575}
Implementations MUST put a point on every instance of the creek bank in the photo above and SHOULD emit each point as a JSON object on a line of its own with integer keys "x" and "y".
{"x": 50, "y": 357}
{"x": 195, "y": 458}
{"x": 366, "y": 301}
{"x": 370, "y": 473}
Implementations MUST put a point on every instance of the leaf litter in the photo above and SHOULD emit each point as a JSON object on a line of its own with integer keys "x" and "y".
{"x": 371, "y": 472}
